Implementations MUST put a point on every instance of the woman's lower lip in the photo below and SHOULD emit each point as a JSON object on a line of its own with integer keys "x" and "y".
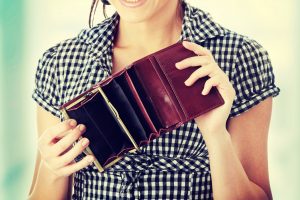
{"x": 132, "y": 4}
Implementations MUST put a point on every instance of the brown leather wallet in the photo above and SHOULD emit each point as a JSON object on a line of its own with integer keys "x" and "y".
{"x": 137, "y": 104}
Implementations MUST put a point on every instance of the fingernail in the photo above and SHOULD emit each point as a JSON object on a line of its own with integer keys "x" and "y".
{"x": 81, "y": 127}
{"x": 186, "y": 83}
{"x": 84, "y": 142}
{"x": 177, "y": 65}
{"x": 72, "y": 122}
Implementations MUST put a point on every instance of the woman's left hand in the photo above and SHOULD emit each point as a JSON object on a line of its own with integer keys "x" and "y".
{"x": 214, "y": 120}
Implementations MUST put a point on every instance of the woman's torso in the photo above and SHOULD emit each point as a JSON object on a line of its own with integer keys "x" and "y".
{"x": 175, "y": 165}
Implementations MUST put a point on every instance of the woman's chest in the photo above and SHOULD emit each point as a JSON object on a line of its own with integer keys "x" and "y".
{"x": 122, "y": 57}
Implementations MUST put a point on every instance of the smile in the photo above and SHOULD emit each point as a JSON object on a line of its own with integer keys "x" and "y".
{"x": 132, "y": 3}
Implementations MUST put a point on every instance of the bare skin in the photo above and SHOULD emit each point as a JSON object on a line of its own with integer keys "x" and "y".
{"x": 237, "y": 147}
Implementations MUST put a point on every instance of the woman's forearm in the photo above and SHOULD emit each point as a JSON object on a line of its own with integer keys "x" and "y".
{"x": 229, "y": 179}
{"x": 47, "y": 186}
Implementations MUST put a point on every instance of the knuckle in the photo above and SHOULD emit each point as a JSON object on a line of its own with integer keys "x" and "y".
{"x": 218, "y": 77}
{"x": 215, "y": 65}
{"x": 207, "y": 83}
{"x": 75, "y": 134}
{"x": 75, "y": 167}
{"x": 76, "y": 150}
{"x": 65, "y": 162}
{"x": 184, "y": 62}
{"x": 79, "y": 148}
{"x": 193, "y": 75}
{"x": 62, "y": 146}
{"x": 67, "y": 121}
{"x": 210, "y": 67}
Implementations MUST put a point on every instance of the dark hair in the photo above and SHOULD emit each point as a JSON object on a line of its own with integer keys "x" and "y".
{"x": 93, "y": 10}
{"x": 105, "y": 2}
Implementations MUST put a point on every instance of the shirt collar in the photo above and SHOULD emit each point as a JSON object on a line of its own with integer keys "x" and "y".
{"x": 197, "y": 27}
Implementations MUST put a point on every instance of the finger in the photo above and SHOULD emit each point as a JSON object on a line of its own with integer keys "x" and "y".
{"x": 76, "y": 166}
{"x": 64, "y": 143}
{"x": 213, "y": 81}
{"x": 199, "y": 73}
{"x": 58, "y": 131}
{"x": 68, "y": 157}
{"x": 197, "y": 49}
{"x": 194, "y": 61}
{"x": 207, "y": 70}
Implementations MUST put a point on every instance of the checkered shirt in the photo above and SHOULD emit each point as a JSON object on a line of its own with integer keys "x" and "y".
{"x": 175, "y": 165}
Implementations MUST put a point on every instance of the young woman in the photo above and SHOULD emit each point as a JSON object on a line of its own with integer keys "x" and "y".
{"x": 220, "y": 155}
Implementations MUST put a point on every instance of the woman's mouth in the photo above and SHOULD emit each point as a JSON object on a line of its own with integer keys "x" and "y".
{"x": 132, "y": 3}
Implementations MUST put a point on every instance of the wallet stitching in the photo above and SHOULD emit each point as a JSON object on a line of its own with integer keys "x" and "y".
{"x": 164, "y": 87}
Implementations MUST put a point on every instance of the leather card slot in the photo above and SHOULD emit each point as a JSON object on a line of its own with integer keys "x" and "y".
{"x": 169, "y": 90}
{"x": 140, "y": 103}
{"x": 147, "y": 101}
{"x": 119, "y": 95}
{"x": 107, "y": 138}
{"x": 156, "y": 92}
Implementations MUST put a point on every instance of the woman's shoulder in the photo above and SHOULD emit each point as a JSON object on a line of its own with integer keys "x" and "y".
{"x": 227, "y": 46}
{"x": 205, "y": 30}
{"x": 81, "y": 43}
{"x": 241, "y": 57}
{"x": 70, "y": 66}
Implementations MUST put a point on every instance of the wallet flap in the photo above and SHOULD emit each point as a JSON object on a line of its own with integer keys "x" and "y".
{"x": 192, "y": 102}
{"x": 157, "y": 92}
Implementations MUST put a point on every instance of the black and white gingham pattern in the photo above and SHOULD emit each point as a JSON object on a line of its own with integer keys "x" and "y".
{"x": 175, "y": 165}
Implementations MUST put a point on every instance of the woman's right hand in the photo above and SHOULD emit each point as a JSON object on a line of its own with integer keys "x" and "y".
{"x": 57, "y": 151}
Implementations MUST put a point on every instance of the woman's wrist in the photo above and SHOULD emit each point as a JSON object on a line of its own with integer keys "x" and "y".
{"x": 47, "y": 181}
{"x": 216, "y": 137}
{"x": 51, "y": 176}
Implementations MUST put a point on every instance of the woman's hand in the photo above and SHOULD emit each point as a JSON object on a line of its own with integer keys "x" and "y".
{"x": 214, "y": 120}
{"x": 57, "y": 153}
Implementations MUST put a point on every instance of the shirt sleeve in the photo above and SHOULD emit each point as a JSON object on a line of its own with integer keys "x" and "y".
{"x": 253, "y": 78}
{"x": 46, "y": 90}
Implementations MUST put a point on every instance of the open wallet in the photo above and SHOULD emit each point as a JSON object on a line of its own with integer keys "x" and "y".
{"x": 130, "y": 108}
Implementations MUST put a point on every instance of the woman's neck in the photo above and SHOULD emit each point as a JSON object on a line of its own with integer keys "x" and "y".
{"x": 161, "y": 30}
